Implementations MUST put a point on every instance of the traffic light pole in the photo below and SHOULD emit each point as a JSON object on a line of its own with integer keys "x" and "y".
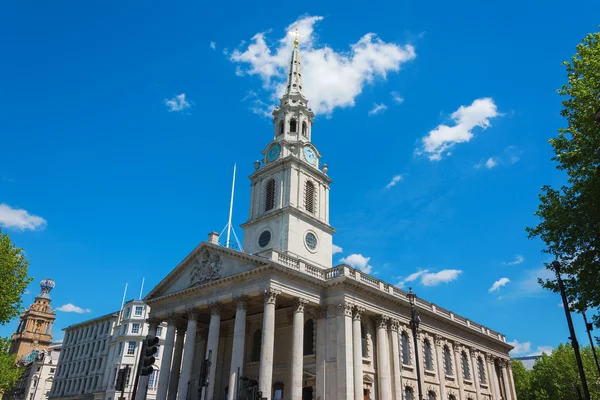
{"x": 138, "y": 369}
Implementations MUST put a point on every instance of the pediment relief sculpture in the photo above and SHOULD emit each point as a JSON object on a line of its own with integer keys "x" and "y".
{"x": 205, "y": 268}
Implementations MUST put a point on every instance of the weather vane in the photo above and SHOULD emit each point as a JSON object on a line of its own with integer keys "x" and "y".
{"x": 297, "y": 35}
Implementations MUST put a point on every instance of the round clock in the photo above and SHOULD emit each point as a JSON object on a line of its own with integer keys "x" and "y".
{"x": 273, "y": 153}
{"x": 309, "y": 155}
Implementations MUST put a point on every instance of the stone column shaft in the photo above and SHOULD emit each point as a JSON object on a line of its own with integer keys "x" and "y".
{"x": 506, "y": 384}
{"x": 513, "y": 390}
{"x": 188, "y": 361}
{"x": 459, "y": 371}
{"x": 440, "y": 363}
{"x": 176, "y": 364}
{"x": 345, "y": 377}
{"x": 297, "y": 366}
{"x": 494, "y": 388}
{"x": 357, "y": 354}
{"x": 165, "y": 365}
{"x": 265, "y": 376}
{"x": 475, "y": 369}
{"x": 383, "y": 360}
{"x": 212, "y": 347}
{"x": 237, "y": 353}
{"x": 321, "y": 355}
{"x": 397, "y": 370}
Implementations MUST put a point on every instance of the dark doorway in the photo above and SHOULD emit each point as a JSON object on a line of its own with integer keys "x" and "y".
{"x": 307, "y": 393}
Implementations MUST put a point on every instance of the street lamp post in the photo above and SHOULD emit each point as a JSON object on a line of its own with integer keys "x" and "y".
{"x": 415, "y": 320}
{"x": 589, "y": 327}
{"x": 573, "y": 338}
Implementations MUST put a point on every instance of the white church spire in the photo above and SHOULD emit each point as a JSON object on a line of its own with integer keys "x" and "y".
{"x": 294, "y": 80}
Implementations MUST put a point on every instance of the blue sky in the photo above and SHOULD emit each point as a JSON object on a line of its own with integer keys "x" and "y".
{"x": 120, "y": 124}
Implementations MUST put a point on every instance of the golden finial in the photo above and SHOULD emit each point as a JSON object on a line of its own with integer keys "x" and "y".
{"x": 296, "y": 39}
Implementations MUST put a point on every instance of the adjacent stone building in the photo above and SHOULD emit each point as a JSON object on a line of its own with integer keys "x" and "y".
{"x": 281, "y": 318}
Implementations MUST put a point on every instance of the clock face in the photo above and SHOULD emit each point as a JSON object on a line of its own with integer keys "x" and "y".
{"x": 273, "y": 153}
{"x": 309, "y": 155}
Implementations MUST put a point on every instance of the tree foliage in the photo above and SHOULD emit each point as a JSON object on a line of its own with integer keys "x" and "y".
{"x": 570, "y": 217}
{"x": 556, "y": 377}
{"x": 9, "y": 372}
{"x": 13, "y": 279}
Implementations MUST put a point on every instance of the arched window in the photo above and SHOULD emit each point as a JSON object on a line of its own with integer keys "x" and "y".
{"x": 256, "y": 341}
{"x": 465, "y": 366}
{"x": 363, "y": 340}
{"x": 447, "y": 361}
{"x": 309, "y": 196}
{"x": 304, "y": 129}
{"x": 270, "y": 195}
{"x": 281, "y": 127}
{"x": 405, "y": 349}
{"x": 309, "y": 337}
{"x": 428, "y": 355}
{"x": 481, "y": 368}
{"x": 408, "y": 393}
{"x": 431, "y": 395}
{"x": 293, "y": 125}
{"x": 452, "y": 397}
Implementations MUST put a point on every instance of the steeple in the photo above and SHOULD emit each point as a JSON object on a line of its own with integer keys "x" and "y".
{"x": 294, "y": 80}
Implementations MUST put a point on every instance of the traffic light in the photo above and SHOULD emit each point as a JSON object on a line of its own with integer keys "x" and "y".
{"x": 149, "y": 349}
{"x": 122, "y": 379}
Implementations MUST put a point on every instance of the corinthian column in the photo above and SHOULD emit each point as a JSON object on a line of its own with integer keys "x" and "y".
{"x": 189, "y": 349}
{"x": 513, "y": 391}
{"x": 265, "y": 376}
{"x": 345, "y": 378}
{"x": 458, "y": 369}
{"x": 383, "y": 359}
{"x": 167, "y": 356}
{"x": 176, "y": 364}
{"x": 237, "y": 353}
{"x": 397, "y": 371}
{"x": 440, "y": 364}
{"x": 504, "y": 363}
{"x": 212, "y": 346}
{"x": 357, "y": 354}
{"x": 296, "y": 369}
{"x": 475, "y": 369}
{"x": 494, "y": 388}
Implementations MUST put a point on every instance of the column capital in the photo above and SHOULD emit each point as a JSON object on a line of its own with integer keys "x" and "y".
{"x": 300, "y": 304}
{"x": 438, "y": 339}
{"x": 172, "y": 318}
{"x": 473, "y": 351}
{"x": 382, "y": 321}
{"x": 358, "y": 311}
{"x": 215, "y": 308}
{"x": 153, "y": 321}
{"x": 241, "y": 302}
{"x": 457, "y": 346}
{"x": 394, "y": 324}
{"x": 192, "y": 313}
{"x": 271, "y": 295}
{"x": 344, "y": 308}
{"x": 488, "y": 358}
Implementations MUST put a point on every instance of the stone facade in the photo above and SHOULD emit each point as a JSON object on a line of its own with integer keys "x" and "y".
{"x": 39, "y": 369}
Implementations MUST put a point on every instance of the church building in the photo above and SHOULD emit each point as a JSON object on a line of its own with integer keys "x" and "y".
{"x": 278, "y": 320}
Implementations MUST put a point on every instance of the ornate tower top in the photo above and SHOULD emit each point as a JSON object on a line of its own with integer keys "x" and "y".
{"x": 47, "y": 285}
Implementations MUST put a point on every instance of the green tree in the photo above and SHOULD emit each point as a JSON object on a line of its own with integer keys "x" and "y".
{"x": 570, "y": 217}
{"x": 13, "y": 279}
{"x": 9, "y": 373}
{"x": 522, "y": 379}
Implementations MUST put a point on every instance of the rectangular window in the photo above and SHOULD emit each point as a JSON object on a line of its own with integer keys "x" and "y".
{"x": 153, "y": 379}
{"x": 135, "y": 328}
{"x": 157, "y": 352}
{"x": 159, "y": 331}
{"x": 127, "y": 312}
{"x": 131, "y": 348}
{"x": 120, "y": 349}
{"x": 139, "y": 310}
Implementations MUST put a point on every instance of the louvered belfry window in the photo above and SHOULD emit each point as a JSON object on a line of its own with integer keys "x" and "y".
{"x": 309, "y": 197}
{"x": 270, "y": 195}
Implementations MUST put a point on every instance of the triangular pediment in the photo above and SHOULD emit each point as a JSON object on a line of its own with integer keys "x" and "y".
{"x": 206, "y": 263}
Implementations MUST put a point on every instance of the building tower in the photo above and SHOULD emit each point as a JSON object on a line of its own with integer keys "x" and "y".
{"x": 289, "y": 206}
{"x": 35, "y": 327}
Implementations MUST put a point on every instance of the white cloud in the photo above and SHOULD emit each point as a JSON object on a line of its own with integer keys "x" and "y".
{"x": 20, "y": 219}
{"x": 213, "y": 45}
{"x": 177, "y": 103}
{"x": 444, "y": 137}
{"x": 491, "y": 163}
{"x": 257, "y": 106}
{"x": 331, "y": 79}
{"x": 358, "y": 261}
{"x": 518, "y": 260}
{"x": 394, "y": 181}
{"x": 377, "y": 109}
{"x": 444, "y": 276}
{"x": 397, "y": 98}
{"x": 508, "y": 157}
{"x": 337, "y": 249}
{"x": 519, "y": 348}
{"x": 498, "y": 284}
{"x": 73, "y": 308}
